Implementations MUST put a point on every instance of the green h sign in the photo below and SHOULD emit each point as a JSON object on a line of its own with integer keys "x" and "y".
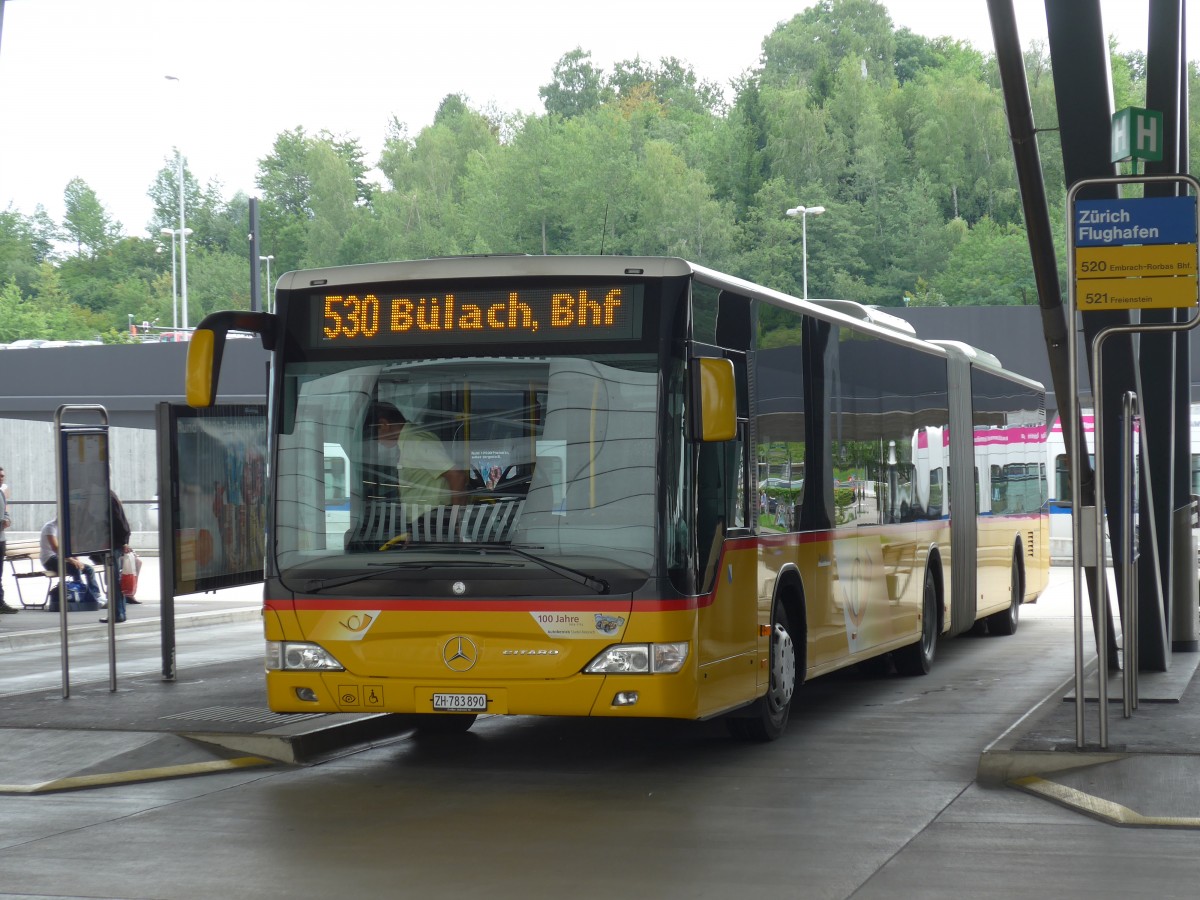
{"x": 1137, "y": 134}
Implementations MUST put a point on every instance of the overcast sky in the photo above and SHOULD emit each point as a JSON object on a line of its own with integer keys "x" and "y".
{"x": 83, "y": 92}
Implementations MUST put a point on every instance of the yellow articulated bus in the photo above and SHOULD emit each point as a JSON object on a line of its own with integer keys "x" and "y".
{"x": 624, "y": 487}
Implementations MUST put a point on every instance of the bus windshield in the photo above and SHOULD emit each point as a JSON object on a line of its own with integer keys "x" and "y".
{"x": 510, "y": 465}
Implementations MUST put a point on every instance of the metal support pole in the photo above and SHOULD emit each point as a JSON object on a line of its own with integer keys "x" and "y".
{"x": 255, "y": 269}
{"x": 804, "y": 249}
{"x": 1128, "y": 557}
{"x": 182, "y": 246}
{"x": 114, "y": 584}
{"x": 1101, "y": 622}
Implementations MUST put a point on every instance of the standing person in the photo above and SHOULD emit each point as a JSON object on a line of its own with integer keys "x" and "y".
{"x": 119, "y": 546}
{"x": 77, "y": 569}
{"x": 5, "y": 521}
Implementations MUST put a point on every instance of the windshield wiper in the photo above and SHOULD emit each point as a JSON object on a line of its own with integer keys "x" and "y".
{"x": 320, "y": 584}
{"x": 599, "y": 585}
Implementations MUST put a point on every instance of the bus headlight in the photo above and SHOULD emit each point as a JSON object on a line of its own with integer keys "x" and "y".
{"x": 630, "y": 659}
{"x": 290, "y": 656}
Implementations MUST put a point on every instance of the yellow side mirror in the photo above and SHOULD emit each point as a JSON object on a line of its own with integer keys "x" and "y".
{"x": 199, "y": 382}
{"x": 208, "y": 344}
{"x": 718, "y": 400}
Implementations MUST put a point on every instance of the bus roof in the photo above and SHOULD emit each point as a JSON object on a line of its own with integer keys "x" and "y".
{"x": 487, "y": 267}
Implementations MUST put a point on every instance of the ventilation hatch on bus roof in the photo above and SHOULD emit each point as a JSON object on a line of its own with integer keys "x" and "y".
{"x": 974, "y": 354}
{"x": 873, "y": 314}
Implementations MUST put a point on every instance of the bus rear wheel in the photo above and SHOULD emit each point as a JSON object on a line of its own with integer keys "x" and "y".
{"x": 1005, "y": 622}
{"x": 769, "y": 717}
{"x": 917, "y": 659}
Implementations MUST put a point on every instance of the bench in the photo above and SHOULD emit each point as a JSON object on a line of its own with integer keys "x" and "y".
{"x": 28, "y": 554}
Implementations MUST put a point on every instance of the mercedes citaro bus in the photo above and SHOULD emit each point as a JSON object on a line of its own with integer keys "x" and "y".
{"x": 624, "y": 487}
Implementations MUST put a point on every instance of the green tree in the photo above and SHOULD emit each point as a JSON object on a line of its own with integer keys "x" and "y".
{"x": 675, "y": 214}
{"x": 989, "y": 267}
{"x": 61, "y": 318}
{"x": 1128, "y": 76}
{"x": 673, "y": 83}
{"x": 89, "y": 281}
{"x": 427, "y": 175}
{"x": 332, "y": 199}
{"x": 577, "y": 86}
{"x": 815, "y": 45}
{"x": 960, "y": 142}
{"x": 923, "y": 295}
{"x": 283, "y": 175}
{"x": 164, "y": 195}
{"x": 802, "y": 147}
{"x": 917, "y": 54}
{"x": 291, "y": 198}
{"x": 25, "y": 242}
{"x": 217, "y": 281}
{"x": 87, "y": 224}
{"x": 747, "y": 164}
{"x": 510, "y": 197}
{"x": 19, "y": 315}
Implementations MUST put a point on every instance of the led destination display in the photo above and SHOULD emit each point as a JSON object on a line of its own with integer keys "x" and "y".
{"x": 508, "y": 315}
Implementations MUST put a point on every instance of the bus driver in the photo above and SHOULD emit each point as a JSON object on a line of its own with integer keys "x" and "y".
{"x": 424, "y": 470}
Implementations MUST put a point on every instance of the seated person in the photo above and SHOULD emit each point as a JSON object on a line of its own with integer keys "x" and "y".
{"x": 424, "y": 471}
{"x": 77, "y": 570}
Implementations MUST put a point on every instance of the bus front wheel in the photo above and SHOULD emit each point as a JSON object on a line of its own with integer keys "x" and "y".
{"x": 769, "y": 716}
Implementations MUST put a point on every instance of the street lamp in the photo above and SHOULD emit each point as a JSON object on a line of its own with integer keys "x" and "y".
{"x": 183, "y": 232}
{"x": 804, "y": 212}
{"x": 174, "y": 232}
{"x": 267, "y": 260}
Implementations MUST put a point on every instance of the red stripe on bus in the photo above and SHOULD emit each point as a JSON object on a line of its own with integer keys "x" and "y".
{"x": 607, "y": 604}
{"x": 435, "y": 604}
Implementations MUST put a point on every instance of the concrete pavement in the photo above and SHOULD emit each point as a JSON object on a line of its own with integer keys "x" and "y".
{"x": 1149, "y": 772}
{"x": 212, "y": 717}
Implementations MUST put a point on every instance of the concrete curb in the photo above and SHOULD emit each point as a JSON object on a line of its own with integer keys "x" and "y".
{"x": 339, "y": 732}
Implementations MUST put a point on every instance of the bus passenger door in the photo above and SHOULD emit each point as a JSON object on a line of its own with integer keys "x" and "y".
{"x": 727, "y": 626}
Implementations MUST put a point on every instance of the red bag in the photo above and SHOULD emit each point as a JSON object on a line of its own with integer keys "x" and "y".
{"x": 129, "y": 574}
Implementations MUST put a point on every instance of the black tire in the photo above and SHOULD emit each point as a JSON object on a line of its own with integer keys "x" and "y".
{"x": 438, "y": 723}
{"x": 769, "y": 716}
{"x": 917, "y": 658}
{"x": 1005, "y": 622}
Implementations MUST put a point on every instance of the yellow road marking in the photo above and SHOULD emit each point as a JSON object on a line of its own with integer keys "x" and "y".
{"x": 1098, "y": 806}
{"x": 80, "y": 782}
